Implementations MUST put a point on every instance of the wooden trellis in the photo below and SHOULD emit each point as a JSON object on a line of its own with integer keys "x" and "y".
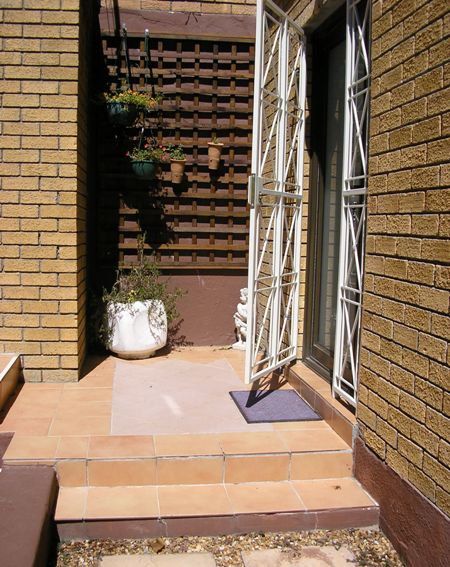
{"x": 208, "y": 90}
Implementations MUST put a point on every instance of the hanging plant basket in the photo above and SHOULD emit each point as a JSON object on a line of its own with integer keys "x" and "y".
{"x": 177, "y": 170}
{"x": 145, "y": 169}
{"x": 121, "y": 114}
{"x": 214, "y": 154}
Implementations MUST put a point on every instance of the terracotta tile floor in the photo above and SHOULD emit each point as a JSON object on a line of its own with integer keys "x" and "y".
{"x": 95, "y": 418}
{"x": 108, "y": 414}
{"x": 162, "y": 438}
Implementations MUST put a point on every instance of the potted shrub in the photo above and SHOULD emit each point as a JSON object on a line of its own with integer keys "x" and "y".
{"x": 138, "y": 310}
{"x": 177, "y": 162}
{"x": 145, "y": 161}
{"x": 123, "y": 107}
{"x": 214, "y": 153}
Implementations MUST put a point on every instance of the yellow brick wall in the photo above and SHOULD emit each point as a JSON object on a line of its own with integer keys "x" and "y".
{"x": 404, "y": 400}
{"x": 239, "y": 7}
{"x": 42, "y": 269}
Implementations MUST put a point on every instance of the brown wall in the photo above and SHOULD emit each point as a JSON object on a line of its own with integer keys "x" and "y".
{"x": 42, "y": 187}
{"x": 207, "y": 308}
{"x": 415, "y": 526}
{"x": 404, "y": 399}
{"x": 240, "y": 7}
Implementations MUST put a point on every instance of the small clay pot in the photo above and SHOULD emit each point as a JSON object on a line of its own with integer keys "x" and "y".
{"x": 214, "y": 155}
{"x": 177, "y": 170}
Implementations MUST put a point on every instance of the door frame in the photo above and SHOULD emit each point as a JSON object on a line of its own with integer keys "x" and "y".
{"x": 345, "y": 373}
{"x": 323, "y": 39}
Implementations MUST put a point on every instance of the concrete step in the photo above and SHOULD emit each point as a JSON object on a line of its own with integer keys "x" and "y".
{"x": 213, "y": 509}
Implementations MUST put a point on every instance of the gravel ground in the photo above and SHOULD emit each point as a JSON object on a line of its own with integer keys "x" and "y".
{"x": 371, "y": 547}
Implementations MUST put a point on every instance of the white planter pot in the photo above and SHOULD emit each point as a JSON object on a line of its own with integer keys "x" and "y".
{"x": 138, "y": 329}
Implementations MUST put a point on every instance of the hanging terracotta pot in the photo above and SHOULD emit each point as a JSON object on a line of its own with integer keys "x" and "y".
{"x": 214, "y": 154}
{"x": 177, "y": 170}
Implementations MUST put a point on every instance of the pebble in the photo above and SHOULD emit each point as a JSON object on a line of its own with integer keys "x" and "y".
{"x": 370, "y": 547}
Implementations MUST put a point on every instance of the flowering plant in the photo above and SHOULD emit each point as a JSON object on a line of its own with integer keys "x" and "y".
{"x": 176, "y": 152}
{"x": 140, "y": 100}
{"x": 150, "y": 152}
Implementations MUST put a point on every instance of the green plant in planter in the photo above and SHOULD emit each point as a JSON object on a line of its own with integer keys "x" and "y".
{"x": 124, "y": 106}
{"x": 137, "y": 310}
{"x": 142, "y": 283}
{"x": 177, "y": 162}
{"x": 176, "y": 152}
{"x": 145, "y": 160}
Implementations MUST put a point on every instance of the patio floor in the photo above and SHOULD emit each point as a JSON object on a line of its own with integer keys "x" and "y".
{"x": 186, "y": 391}
{"x": 162, "y": 439}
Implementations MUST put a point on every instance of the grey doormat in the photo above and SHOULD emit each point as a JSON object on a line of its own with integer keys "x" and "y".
{"x": 265, "y": 406}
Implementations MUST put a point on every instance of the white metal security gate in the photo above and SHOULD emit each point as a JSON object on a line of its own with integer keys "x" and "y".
{"x": 353, "y": 216}
{"x": 275, "y": 192}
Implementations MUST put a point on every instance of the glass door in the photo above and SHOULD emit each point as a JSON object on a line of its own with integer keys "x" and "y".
{"x": 327, "y": 122}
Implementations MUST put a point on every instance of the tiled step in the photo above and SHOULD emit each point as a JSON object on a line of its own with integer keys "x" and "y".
{"x": 149, "y": 511}
{"x": 301, "y": 454}
{"x": 204, "y": 470}
{"x": 10, "y": 372}
{"x": 297, "y": 476}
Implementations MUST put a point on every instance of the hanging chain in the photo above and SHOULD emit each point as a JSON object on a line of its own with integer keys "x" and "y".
{"x": 148, "y": 61}
{"x": 125, "y": 51}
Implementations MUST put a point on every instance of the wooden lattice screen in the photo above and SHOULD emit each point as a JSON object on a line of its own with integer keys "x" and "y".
{"x": 208, "y": 88}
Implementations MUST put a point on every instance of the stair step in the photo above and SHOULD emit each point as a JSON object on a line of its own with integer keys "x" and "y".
{"x": 204, "y": 469}
{"x": 202, "y": 459}
{"x": 212, "y": 509}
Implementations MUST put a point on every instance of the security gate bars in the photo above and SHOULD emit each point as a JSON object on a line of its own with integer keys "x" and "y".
{"x": 353, "y": 215}
{"x": 275, "y": 192}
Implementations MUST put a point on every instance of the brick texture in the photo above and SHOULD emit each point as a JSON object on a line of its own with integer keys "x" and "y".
{"x": 404, "y": 374}
{"x": 43, "y": 186}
